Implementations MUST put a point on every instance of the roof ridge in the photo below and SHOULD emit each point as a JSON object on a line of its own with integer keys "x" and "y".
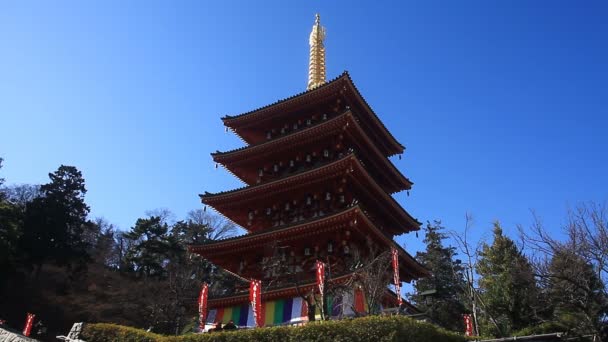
{"x": 306, "y": 129}
{"x": 344, "y": 73}
{"x": 273, "y": 229}
{"x": 348, "y": 155}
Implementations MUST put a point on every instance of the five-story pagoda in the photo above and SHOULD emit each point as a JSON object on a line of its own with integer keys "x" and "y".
{"x": 319, "y": 185}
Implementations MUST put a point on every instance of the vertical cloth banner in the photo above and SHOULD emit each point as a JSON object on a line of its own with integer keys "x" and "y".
{"x": 202, "y": 306}
{"x": 396, "y": 279}
{"x": 255, "y": 297}
{"x": 320, "y": 276}
{"x": 29, "y": 321}
{"x": 320, "y": 266}
{"x": 468, "y": 325}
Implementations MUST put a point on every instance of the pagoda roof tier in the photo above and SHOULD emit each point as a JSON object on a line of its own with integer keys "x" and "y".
{"x": 233, "y": 204}
{"x": 251, "y": 126}
{"x": 244, "y": 162}
{"x": 289, "y": 291}
{"x": 353, "y": 219}
{"x": 268, "y": 294}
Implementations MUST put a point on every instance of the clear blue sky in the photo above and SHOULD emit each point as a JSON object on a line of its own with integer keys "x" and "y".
{"x": 502, "y": 105}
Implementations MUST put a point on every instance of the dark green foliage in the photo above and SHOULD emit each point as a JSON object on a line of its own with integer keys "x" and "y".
{"x": 11, "y": 218}
{"x": 372, "y": 328}
{"x": 543, "y": 328}
{"x": 10, "y": 222}
{"x": 446, "y": 307}
{"x": 507, "y": 285}
{"x": 575, "y": 292}
{"x": 53, "y": 224}
{"x": 152, "y": 247}
{"x": 1, "y": 180}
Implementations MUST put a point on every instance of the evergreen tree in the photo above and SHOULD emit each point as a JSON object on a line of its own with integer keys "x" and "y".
{"x": 1, "y": 182}
{"x": 152, "y": 246}
{"x": 576, "y": 293}
{"x": 507, "y": 285}
{"x": 53, "y": 223}
{"x": 10, "y": 228}
{"x": 447, "y": 279}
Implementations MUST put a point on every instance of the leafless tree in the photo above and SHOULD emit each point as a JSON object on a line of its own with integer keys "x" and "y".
{"x": 221, "y": 227}
{"x": 369, "y": 268}
{"x": 471, "y": 252}
{"x": 283, "y": 269}
{"x": 586, "y": 232}
{"x": 372, "y": 272}
{"x": 21, "y": 194}
{"x": 165, "y": 214}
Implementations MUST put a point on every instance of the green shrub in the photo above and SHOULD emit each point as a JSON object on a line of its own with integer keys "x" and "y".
{"x": 372, "y": 328}
{"x": 104, "y": 332}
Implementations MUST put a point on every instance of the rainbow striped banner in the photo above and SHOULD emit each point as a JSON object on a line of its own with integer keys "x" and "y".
{"x": 290, "y": 310}
{"x": 277, "y": 312}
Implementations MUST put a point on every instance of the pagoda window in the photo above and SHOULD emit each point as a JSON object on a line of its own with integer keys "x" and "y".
{"x": 250, "y": 215}
{"x": 307, "y": 251}
{"x": 275, "y": 168}
{"x": 326, "y": 153}
{"x": 292, "y": 163}
{"x": 261, "y": 172}
{"x": 342, "y": 199}
{"x": 308, "y": 158}
{"x": 268, "y": 135}
{"x": 328, "y": 196}
{"x": 330, "y": 247}
{"x": 308, "y": 200}
{"x": 287, "y": 207}
{"x": 268, "y": 211}
{"x": 324, "y": 117}
{"x": 295, "y": 126}
{"x": 308, "y": 122}
{"x": 283, "y": 130}
{"x": 346, "y": 249}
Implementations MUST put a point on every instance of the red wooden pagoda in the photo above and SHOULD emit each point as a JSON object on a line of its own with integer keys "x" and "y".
{"x": 319, "y": 185}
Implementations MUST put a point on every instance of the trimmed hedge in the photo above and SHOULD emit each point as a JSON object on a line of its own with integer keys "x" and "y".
{"x": 372, "y": 328}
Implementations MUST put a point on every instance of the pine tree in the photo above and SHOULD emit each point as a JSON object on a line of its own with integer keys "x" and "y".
{"x": 152, "y": 247}
{"x": 53, "y": 223}
{"x": 447, "y": 279}
{"x": 507, "y": 285}
{"x": 10, "y": 229}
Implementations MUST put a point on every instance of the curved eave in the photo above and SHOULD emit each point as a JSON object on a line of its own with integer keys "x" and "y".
{"x": 262, "y": 236}
{"x": 346, "y": 166}
{"x": 417, "y": 270}
{"x": 345, "y": 121}
{"x": 234, "y": 122}
{"x": 402, "y": 213}
{"x": 397, "y": 147}
{"x": 266, "y": 145}
{"x": 267, "y": 295}
{"x": 244, "y": 192}
{"x": 409, "y": 267}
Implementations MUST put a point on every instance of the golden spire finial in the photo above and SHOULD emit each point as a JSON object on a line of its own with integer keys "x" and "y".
{"x": 316, "y": 65}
